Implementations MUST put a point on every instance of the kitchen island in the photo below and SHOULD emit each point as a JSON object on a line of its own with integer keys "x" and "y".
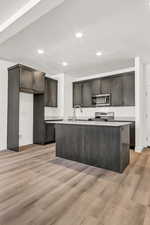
{"x": 100, "y": 144}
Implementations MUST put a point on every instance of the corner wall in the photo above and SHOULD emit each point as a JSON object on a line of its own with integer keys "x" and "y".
{"x": 3, "y": 102}
{"x": 140, "y": 105}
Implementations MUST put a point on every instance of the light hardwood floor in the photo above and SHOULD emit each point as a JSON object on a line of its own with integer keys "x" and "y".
{"x": 38, "y": 189}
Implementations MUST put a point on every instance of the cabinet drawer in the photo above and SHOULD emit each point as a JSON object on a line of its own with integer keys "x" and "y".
{"x": 49, "y": 133}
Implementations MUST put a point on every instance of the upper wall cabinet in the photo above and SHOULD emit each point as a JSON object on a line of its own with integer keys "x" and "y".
{"x": 86, "y": 94}
{"x": 128, "y": 91}
{"x": 38, "y": 81}
{"x": 96, "y": 86}
{"x": 121, "y": 88}
{"x": 116, "y": 91}
{"x": 106, "y": 84}
{"x": 51, "y": 87}
{"x": 26, "y": 79}
{"x": 77, "y": 93}
{"x": 31, "y": 80}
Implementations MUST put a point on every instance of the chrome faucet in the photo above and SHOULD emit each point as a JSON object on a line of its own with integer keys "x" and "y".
{"x": 74, "y": 111}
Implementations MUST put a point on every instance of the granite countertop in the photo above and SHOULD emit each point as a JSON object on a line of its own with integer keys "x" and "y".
{"x": 91, "y": 123}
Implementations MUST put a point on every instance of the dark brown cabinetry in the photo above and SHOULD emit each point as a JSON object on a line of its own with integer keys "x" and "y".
{"x": 77, "y": 93}
{"x": 51, "y": 92}
{"x": 132, "y": 135}
{"x": 31, "y": 81}
{"x": 13, "y": 110}
{"x": 38, "y": 82}
{"x": 23, "y": 78}
{"x": 121, "y": 88}
{"x": 132, "y": 132}
{"x": 106, "y": 85}
{"x": 26, "y": 79}
{"x": 49, "y": 133}
{"x": 128, "y": 81}
{"x": 101, "y": 146}
{"x": 96, "y": 86}
{"x": 116, "y": 91}
{"x": 86, "y": 94}
{"x": 38, "y": 119}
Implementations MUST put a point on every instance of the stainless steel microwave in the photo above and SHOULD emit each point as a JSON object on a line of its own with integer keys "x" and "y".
{"x": 101, "y": 100}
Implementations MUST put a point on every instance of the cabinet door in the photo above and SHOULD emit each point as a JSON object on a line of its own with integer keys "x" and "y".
{"x": 47, "y": 91}
{"x": 50, "y": 92}
{"x": 77, "y": 94}
{"x": 53, "y": 97}
{"x": 26, "y": 80}
{"x": 96, "y": 86}
{"x": 116, "y": 91}
{"x": 49, "y": 133}
{"x": 106, "y": 85}
{"x": 132, "y": 135}
{"x": 86, "y": 94}
{"x": 128, "y": 89}
{"x": 38, "y": 82}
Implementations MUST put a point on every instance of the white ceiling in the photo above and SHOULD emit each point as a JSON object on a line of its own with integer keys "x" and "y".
{"x": 10, "y": 7}
{"x": 118, "y": 28}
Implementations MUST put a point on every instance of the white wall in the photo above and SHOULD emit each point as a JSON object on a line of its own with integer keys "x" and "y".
{"x": 3, "y": 102}
{"x": 68, "y": 96}
{"x": 147, "y": 103}
{"x": 140, "y": 105}
{"x": 25, "y": 119}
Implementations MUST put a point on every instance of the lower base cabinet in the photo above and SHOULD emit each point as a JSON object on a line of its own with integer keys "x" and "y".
{"x": 132, "y": 133}
{"x": 49, "y": 133}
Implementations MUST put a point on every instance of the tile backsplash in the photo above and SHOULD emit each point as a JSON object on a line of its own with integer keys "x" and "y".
{"x": 119, "y": 111}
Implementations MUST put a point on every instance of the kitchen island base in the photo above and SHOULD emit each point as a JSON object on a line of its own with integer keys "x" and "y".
{"x": 101, "y": 146}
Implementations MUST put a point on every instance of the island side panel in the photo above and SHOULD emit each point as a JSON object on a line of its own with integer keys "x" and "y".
{"x": 69, "y": 141}
{"x": 99, "y": 146}
{"x": 102, "y": 147}
{"x": 125, "y": 147}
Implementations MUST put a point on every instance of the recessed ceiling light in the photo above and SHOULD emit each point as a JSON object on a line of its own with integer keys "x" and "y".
{"x": 64, "y": 64}
{"x": 98, "y": 53}
{"x": 79, "y": 35}
{"x": 40, "y": 51}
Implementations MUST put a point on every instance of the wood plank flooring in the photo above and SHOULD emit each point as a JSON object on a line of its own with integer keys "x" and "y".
{"x": 36, "y": 188}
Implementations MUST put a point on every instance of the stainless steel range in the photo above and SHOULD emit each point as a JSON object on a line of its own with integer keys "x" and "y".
{"x": 103, "y": 116}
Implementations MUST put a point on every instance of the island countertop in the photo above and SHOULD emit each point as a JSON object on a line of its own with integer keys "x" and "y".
{"x": 91, "y": 123}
